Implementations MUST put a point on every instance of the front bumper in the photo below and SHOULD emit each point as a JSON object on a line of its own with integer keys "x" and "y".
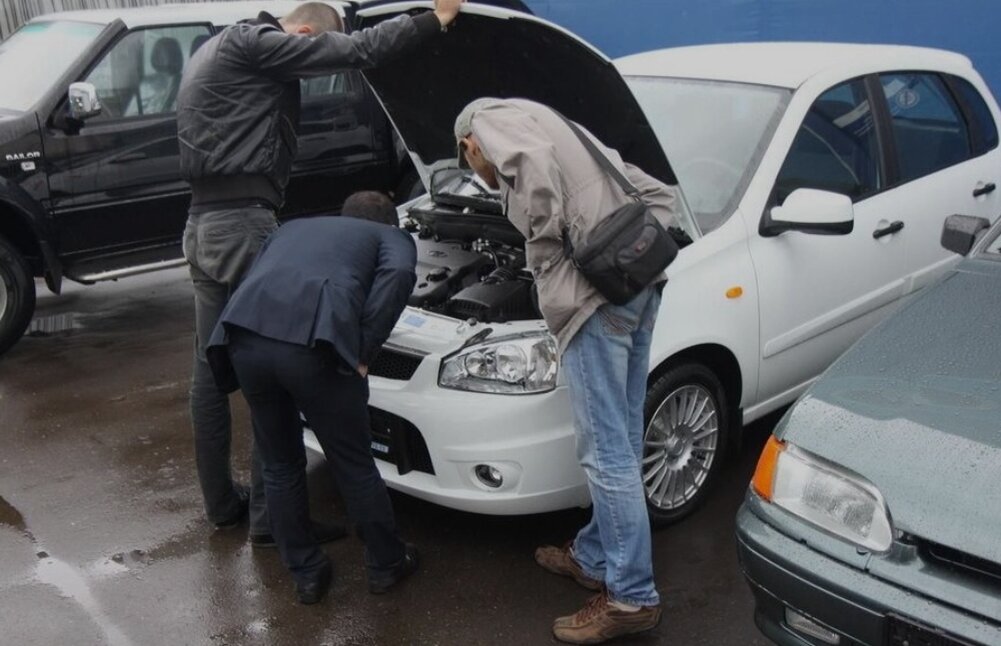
{"x": 529, "y": 439}
{"x": 860, "y": 608}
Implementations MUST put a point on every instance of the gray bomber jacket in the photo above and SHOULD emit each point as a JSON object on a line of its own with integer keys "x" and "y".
{"x": 238, "y": 103}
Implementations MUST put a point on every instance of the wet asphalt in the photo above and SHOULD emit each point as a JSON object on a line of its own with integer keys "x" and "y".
{"x": 103, "y": 541}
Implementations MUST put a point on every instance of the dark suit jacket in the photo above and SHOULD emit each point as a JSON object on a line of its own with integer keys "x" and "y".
{"x": 339, "y": 280}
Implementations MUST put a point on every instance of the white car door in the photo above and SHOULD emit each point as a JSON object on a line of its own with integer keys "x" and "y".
{"x": 818, "y": 293}
{"x": 946, "y": 160}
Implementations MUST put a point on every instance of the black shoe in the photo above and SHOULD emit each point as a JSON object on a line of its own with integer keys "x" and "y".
{"x": 243, "y": 506}
{"x": 322, "y": 532}
{"x": 381, "y": 582}
{"x": 313, "y": 591}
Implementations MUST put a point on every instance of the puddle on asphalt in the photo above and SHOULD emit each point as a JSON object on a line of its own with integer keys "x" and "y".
{"x": 71, "y": 584}
{"x": 70, "y": 581}
{"x": 54, "y": 324}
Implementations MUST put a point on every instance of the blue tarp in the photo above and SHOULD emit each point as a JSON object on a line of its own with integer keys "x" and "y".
{"x": 620, "y": 27}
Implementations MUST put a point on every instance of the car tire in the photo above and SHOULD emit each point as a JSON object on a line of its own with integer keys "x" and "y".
{"x": 409, "y": 188}
{"x": 17, "y": 295}
{"x": 685, "y": 440}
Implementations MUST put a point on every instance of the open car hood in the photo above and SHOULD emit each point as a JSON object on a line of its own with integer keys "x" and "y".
{"x": 495, "y": 52}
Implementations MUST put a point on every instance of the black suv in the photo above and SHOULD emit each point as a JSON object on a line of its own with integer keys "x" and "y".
{"x": 100, "y": 197}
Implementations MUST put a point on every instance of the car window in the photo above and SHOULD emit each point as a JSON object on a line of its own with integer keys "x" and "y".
{"x": 36, "y": 55}
{"x": 714, "y": 134}
{"x": 984, "y": 131}
{"x": 928, "y": 127}
{"x": 324, "y": 86}
{"x": 142, "y": 72}
{"x": 836, "y": 148}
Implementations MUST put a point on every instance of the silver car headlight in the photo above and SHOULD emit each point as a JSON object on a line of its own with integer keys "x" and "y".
{"x": 824, "y": 494}
{"x": 512, "y": 365}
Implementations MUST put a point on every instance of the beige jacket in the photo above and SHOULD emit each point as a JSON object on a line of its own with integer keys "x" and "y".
{"x": 549, "y": 181}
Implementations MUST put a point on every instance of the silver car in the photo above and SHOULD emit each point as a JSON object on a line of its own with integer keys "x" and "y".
{"x": 874, "y": 516}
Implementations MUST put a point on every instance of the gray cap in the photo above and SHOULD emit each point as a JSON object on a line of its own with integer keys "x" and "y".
{"x": 464, "y": 123}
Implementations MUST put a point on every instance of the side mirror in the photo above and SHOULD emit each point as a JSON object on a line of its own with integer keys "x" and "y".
{"x": 810, "y": 211}
{"x": 83, "y": 102}
{"x": 960, "y": 232}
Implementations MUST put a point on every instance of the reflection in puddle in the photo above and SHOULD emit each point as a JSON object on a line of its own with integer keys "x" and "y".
{"x": 68, "y": 580}
{"x": 55, "y": 324}
{"x": 72, "y": 585}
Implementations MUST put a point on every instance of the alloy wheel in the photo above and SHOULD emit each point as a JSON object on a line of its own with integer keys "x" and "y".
{"x": 680, "y": 446}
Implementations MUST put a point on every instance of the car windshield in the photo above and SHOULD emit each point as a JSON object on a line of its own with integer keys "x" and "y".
{"x": 714, "y": 134}
{"x": 38, "y": 54}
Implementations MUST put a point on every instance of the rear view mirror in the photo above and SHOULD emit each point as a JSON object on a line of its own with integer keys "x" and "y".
{"x": 83, "y": 101}
{"x": 960, "y": 232}
{"x": 810, "y": 211}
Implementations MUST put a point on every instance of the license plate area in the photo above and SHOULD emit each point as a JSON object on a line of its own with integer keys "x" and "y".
{"x": 904, "y": 632}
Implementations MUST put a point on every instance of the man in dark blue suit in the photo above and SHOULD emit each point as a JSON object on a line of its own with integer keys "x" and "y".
{"x": 322, "y": 297}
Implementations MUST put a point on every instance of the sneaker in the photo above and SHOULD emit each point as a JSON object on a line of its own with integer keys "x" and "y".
{"x": 243, "y": 506}
{"x": 381, "y": 582}
{"x": 322, "y": 533}
{"x": 598, "y": 621}
{"x": 560, "y": 560}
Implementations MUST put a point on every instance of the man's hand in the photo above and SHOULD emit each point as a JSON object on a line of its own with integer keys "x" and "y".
{"x": 447, "y": 10}
{"x": 363, "y": 370}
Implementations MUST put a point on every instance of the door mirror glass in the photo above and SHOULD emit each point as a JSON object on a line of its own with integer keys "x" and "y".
{"x": 960, "y": 232}
{"x": 811, "y": 211}
{"x": 83, "y": 101}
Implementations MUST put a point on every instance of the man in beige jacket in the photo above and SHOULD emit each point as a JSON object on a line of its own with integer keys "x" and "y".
{"x": 551, "y": 184}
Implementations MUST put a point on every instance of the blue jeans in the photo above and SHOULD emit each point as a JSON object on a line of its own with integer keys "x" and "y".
{"x": 606, "y": 366}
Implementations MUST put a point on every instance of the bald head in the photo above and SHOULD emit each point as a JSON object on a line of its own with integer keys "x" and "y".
{"x": 310, "y": 18}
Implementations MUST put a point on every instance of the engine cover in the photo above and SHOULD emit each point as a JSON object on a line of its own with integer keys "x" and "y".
{"x": 442, "y": 269}
{"x": 494, "y": 302}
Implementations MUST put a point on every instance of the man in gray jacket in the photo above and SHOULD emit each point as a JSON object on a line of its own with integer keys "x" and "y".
{"x": 237, "y": 115}
{"x": 551, "y": 184}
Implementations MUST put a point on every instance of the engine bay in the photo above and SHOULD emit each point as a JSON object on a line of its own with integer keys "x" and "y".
{"x": 470, "y": 258}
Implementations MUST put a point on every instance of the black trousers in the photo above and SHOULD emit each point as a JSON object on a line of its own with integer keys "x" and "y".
{"x": 280, "y": 379}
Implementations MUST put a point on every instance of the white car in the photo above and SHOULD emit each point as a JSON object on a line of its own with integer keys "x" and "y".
{"x": 816, "y": 177}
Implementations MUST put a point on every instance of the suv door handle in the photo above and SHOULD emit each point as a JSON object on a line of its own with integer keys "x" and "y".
{"x": 984, "y": 190}
{"x": 131, "y": 157}
{"x": 888, "y": 230}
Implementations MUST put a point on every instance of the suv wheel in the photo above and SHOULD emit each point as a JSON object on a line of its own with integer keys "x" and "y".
{"x": 17, "y": 295}
{"x": 685, "y": 442}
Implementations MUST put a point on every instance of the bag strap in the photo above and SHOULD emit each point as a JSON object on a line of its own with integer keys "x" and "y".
{"x": 602, "y": 159}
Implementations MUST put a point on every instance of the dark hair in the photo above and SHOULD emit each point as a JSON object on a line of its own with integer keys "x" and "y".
{"x": 321, "y": 17}
{"x": 372, "y": 206}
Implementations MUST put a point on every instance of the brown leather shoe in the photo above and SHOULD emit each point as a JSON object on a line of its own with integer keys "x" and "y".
{"x": 560, "y": 560}
{"x": 599, "y": 621}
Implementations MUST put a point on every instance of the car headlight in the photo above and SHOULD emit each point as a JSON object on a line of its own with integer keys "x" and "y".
{"x": 823, "y": 494}
{"x": 513, "y": 365}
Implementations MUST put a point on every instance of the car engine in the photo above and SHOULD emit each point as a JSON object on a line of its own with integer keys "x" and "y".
{"x": 470, "y": 258}
{"x": 477, "y": 279}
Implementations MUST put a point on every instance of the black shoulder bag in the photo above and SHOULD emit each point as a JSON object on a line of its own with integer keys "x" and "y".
{"x": 627, "y": 250}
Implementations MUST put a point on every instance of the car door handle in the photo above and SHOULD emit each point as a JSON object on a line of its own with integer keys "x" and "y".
{"x": 888, "y": 230}
{"x": 984, "y": 190}
{"x": 131, "y": 157}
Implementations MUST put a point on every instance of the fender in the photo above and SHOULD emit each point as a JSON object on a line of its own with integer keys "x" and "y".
{"x": 35, "y": 219}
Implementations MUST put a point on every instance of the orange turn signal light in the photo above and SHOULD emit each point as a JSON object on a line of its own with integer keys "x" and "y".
{"x": 764, "y": 475}
{"x": 735, "y": 292}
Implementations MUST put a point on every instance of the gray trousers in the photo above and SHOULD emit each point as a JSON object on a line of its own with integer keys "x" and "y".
{"x": 220, "y": 247}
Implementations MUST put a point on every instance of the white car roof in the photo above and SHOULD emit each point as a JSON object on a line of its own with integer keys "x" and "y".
{"x": 784, "y": 64}
{"x": 216, "y": 13}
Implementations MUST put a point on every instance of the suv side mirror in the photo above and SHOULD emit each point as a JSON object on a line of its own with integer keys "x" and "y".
{"x": 810, "y": 211}
{"x": 960, "y": 232}
{"x": 83, "y": 101}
